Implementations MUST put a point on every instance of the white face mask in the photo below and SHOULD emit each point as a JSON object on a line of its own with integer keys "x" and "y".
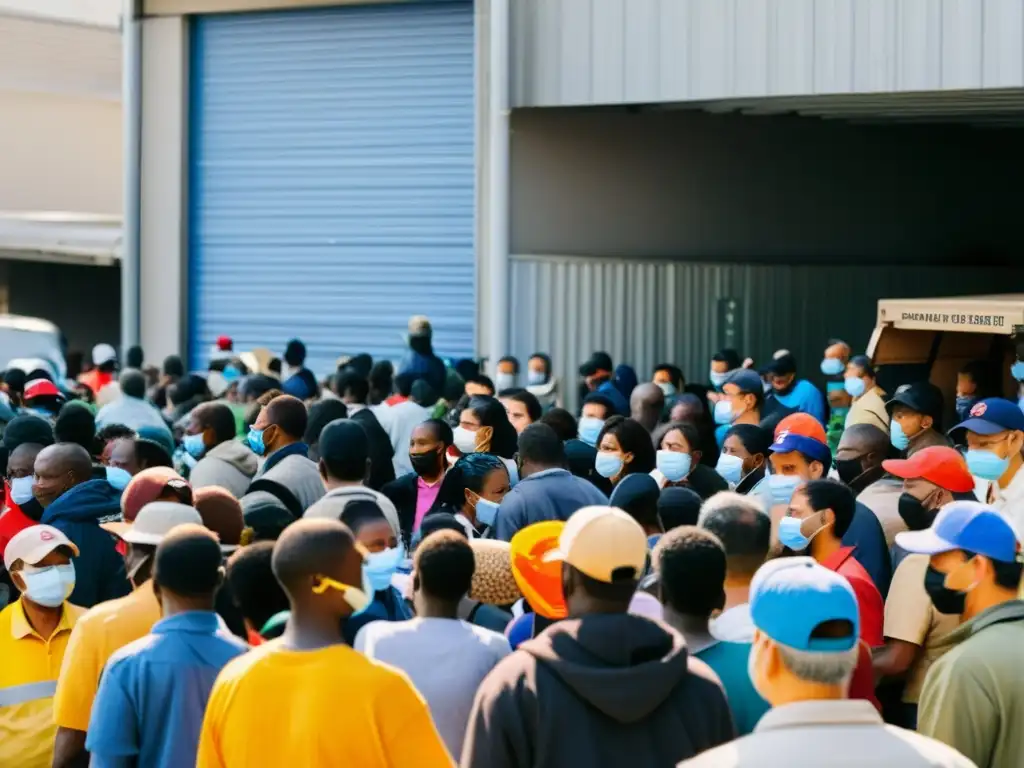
{"x": 49, "y": 586}
{"x": 21, "y": 490}
{"x": 503, "y": 381}
{"x": 465, "y": 440}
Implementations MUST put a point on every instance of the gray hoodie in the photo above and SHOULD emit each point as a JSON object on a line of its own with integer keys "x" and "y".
{"x": 230, "y": 465}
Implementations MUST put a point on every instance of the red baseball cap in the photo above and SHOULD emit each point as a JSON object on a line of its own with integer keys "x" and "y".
{"x": 41, "y": 388}
{"x": 802, "y": 424}
{"x": 942, "y": 466}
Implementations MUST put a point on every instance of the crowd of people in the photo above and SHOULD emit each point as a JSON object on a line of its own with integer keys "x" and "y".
{"x": 415, "y": 564}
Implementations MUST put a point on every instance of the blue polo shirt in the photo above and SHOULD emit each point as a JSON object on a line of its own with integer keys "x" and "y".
{"x": 153, "y": 693}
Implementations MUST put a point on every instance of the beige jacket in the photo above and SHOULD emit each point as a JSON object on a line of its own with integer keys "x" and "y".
{"x": 829, "y": 734}
{"x": 869, "y": 408}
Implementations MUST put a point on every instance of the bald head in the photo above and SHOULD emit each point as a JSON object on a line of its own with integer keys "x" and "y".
{"x": 646, "y": 404}
{"x": 838, "y": 349}
{"x": 58, "y": 469}
{"x": 312, "y": 548}
{"x": 862, "y": 439}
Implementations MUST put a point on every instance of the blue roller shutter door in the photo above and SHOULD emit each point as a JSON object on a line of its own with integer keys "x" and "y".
{"x": 332, "y": 179}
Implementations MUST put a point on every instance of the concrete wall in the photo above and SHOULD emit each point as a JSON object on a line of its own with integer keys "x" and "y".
{"x": 60, "y": 153}
{"x": 753, "y": 189}
{"x": 580, "y": 52}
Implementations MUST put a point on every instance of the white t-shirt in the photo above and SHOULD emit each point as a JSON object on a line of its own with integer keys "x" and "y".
{"x": 446, "y": 659}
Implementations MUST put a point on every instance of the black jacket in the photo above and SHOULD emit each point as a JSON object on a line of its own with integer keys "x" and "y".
{"x": 403, "y": 493}
{"x": 382, "y": 471}
{"x": 623, "y": 686}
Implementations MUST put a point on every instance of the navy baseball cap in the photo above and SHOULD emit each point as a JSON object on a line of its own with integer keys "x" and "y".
{"x": 967, "y": 525}
{"x": 748, "y": 381}
{"x": 792, "y": 596}
{"x": 992, "y": 416}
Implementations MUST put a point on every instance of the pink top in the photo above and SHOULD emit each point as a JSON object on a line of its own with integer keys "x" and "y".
{"x": 425, "y": 497}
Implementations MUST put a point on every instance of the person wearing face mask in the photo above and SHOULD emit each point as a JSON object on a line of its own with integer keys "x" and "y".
{"x": 789, "y": 393}
{"x": 868, "y": 398}
{"x": 799, "y": 455}
{"x": 723, "y": 363}
{"x": 414, "y": 494}
{"x": 276, "y": 435}
{"x": 547, "y": 490}
{"x": 805, "y": 652}
{"x": 833, "y": 365}
{"x": 472, "y": 492}
{"x": 381, "y": 719}
{"x": 972, "y": 695}
{"x": 976, "y": 381}
{"x": 20, "y": 508}
{"x": 678, "y": 461}
{"x": 740, "y": 402}
{"x": 507, "y": 374}
{"x": 445, "y": 658}
{"x": 597, "y": 409}
{"x": 220, "y": 459}
{"x": 34, "y": 634}
{"x": 914, "y": 627}
{"x": 484, "y": 428}
{"x": 858, "y": 463}
{"x": 744, "y": 456}
{"x": 541, "y": 381}
{"x": 344, "y": 466}
{"x": 78, "y": 505}
{"x": 386, "y": 553}
{"x": 915, "y": 413}
{"x": 623, "y": 447}
{"x": 994, "y": 434}
{"x": 671, "y": 381}
{"x": 111, "y": 625}
{"x": 150, "y": 703}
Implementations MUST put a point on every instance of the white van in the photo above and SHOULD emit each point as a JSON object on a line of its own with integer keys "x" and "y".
{"x": 29, "y": 343}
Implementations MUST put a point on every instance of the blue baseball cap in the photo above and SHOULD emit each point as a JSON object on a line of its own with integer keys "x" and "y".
{"x": 747, "y": 380}
{"x": 967, "y": 525}
{"x": 992, "y": 416}
{"x": 792, "y": 596}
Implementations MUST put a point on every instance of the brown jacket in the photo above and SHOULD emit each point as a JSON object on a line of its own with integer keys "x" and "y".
{"x": 602, "y": 690}
{"x": 926, "y": 439}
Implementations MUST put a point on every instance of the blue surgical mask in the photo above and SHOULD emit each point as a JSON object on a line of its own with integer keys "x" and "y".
{"x": 723, "y": 412}
{"x": 964, "y": 403}
{"x": 730, "y": 468}
{"x": 21, "y": 489}
{"x": 231, "y": 373}
{"x": 608, "y": 465}
{"x": 790, "y": 534}
{"x": 854, "y": 386}
{"x": 987, "y": 465}
{"x": 782, "y": 487}
{"x": 194, "y": 445}
{"x": 717, "y": 379}
{"x": 832, "y": 366}
{"x": 1017, "y": 370}
{"x": 674, "y": 465}
{"x": 897, "y": 436}
{"x": 118, "y": 477}
{"x": 255, "y": 440}
{"x": 381, "y": 566}
{"x": 49, "y": 586}
{"x": 590, "y": 429}
{"x": 486, "y": 511}
{"x": 535, "y": 378}
{"x": 669, "y": 390}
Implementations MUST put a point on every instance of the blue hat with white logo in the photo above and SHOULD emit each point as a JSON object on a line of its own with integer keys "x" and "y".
{"x": 792, "y": 596}
{"x": 992, "y": 416}
{"x": 966, "y": 525}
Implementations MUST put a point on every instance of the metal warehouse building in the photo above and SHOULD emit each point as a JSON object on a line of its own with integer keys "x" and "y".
{"x": 658, "y": 178}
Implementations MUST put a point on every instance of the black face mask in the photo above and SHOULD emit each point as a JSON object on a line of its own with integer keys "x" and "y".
{"x": 945, "y": 600}
{"x": 785, "y": 390}
{"x": 914, "y": 513}
{"x": 426, "y": 464}
{"x": 849, "y": 470}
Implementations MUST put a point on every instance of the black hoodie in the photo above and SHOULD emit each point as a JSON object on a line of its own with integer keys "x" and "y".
{"x": 602, "y": 690}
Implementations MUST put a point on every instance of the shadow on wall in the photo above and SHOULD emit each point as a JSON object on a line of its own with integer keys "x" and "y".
{"x": 83, "y": 301}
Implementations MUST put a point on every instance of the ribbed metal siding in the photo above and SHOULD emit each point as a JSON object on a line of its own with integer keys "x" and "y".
{"x": 333, "y": 179}
{"x": 645, "y": 312}
{"x": 576, "y": 52}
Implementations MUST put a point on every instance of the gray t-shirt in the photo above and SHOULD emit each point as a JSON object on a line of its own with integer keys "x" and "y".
{"x": 446, "y": 659}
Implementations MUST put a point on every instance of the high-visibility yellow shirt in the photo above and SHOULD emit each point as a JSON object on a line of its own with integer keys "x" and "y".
{"x": 102, "y": 630}
{"x": 332, "y": 706}
{"x": 29, "y": 665}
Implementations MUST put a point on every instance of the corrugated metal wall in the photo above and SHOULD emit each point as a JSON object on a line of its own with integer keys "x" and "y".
{"x": 577, "y": 52}
{"x": 648, "y": 312}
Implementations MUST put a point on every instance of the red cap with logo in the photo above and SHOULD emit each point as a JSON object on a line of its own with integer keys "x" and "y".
{"x": 938, "y": 464}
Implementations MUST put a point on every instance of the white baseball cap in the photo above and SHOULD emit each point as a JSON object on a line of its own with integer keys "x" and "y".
{"x": 154, "y": 522}
{"x": 103, "y": 353}
{"x": 32, "y": 544}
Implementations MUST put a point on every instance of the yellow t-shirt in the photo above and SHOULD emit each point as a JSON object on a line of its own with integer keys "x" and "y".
{"x": 101, "y": 631}
{"x": 329, "y": 707}
{"x": 29, "y": 666}
{"x": 911, "y": 616}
